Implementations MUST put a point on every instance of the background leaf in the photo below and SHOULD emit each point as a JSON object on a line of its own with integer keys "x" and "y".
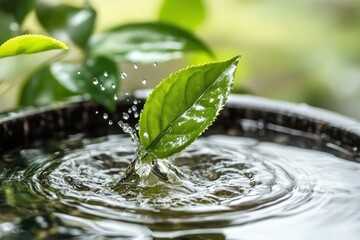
{"x": 79, "y": 78}
{"x": 146, "y": 42}
{"x": 187, "y": 14}
{"x": 17, "y": 8}
{"x": 41, "y": 88}
{"x": 29, "y": 43}
{"x": 8, "y": 27}
{"x": 66, "y": 22}
{"x": 182, "y": 106}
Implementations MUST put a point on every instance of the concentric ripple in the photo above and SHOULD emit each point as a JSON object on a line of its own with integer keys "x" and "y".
{"x": 229, "y": 184}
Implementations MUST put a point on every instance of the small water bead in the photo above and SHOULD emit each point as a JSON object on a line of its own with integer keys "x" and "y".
{"x": 78, "y": 73}
{"x": 126, "y": 116}
{"x": 105, "y": 116}
{"x": 110, "y": 122}
{"x": 136, "y": 114}
{"x": 146, "y": 135}
{"x": 129, "y": 110}
{"x": 137, "y": 126}
{"x": 127, "y": 93}
{"x": 102, "y": 87}
{"x": 135, "y": 66}
{"x": 355, "y": 149}
{"x": 106, "y": 74}
{"x": 95, "y": 81}
{"x": 123, "y": 75}
{"x": 96, "y": 112}
{"x": 135, "y": 101}
{"x": 144, "y": 81}
{"x": 155, "y": 64}
{"x": 134, "y": 108}
{"x": 116, "y": 97}
{"x": 113, "y": 86}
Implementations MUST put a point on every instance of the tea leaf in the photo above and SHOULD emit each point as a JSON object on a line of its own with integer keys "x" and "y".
{"x": 182, "y": 106}
{"x": 80, "y": 79}
{"x": 29, "y": 43}
{"x": 172, "y": 11}
{"x": 67, "y": 22}
{"x": 41, "y": 88}
{"x": 145, "y": 42}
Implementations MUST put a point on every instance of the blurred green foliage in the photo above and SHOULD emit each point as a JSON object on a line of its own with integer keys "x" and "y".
{"x": 97, "y": 74}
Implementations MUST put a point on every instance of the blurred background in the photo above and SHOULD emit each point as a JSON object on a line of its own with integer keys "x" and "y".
{"x": 305, "y": 51}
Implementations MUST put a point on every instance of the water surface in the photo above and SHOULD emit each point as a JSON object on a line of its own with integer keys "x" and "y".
{"x": 232, "y": 188}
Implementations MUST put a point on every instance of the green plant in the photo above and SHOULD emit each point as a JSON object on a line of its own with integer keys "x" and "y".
{"x": 182, "y": 106}
{"x": 100, "y": 54}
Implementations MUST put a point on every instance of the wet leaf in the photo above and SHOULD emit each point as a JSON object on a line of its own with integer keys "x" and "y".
{"x": 41, "y": 88}
{"x": 182, "y": 106}
{"x": 172, "y": 11}
{"x": 67, "y": 22}
{"x": 29, "y": 43}
{"x": 145, "y": 42}
{"x": 80, "y": 79}
{"x": 17, "y": 8}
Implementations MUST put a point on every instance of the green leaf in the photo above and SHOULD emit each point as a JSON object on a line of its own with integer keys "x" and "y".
{"x": 8, "y": 27}
{"x": 172, "y": 11}
{"x": 145, "y": 42}
{"x": 29, "y": 43}
{"x": 17, "y": 8}
{"x": 79, "y": 78}
{"x": 41, "y": 88}
{"x": 182, "y": 106}
{"x": 67, "y": 22}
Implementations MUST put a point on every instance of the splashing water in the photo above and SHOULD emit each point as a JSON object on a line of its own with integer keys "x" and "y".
{"x": 229, "y": 187}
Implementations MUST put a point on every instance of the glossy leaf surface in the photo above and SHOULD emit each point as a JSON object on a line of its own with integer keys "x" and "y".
{"x": 29, "y": 43}
{"x": 67, "y": 22}
{"x": 172, "y": 11}
{"x": 81, "y": 78}
{"x": 182, "y": 106}
{"x": 41, "y": 88}
{"x": 145, "y": 42}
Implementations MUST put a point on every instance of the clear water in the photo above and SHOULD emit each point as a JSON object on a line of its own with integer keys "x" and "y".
{"x": 230, "y": 188}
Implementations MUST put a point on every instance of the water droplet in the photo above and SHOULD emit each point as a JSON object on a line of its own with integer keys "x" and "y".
{"x": 127, "y": 93}
{"x": 135, "y": 101}
{"x": 338, "y": 143}
{"x": 95, "y": 81}
{"x": 113, "y": 86}
{"x": 105, "y": 116}
{"x": 110, "y": 122}
{"x": 78, "y": 73}
{"x": 121, "y": 124}
{"x": 129, "y": 110}
{"x": 102, "y": 87}
{"x": 155, "y": 64}
{"x": 146, "y": 135}
{"x": 355, "y": 149}
{"x": 123, "y": 75}
{"x": 137, "y": 126}
{"x": 136, "y": 114}
{"x": 96, "y": 112}
{"x": 135, "y": 66}
{"x": 144, "y": 81}
{"x": 106, "y": 74}
{"x": 116, "y": 97}
{"x": 125, "y": 115}
{"x": 134, "y": 108}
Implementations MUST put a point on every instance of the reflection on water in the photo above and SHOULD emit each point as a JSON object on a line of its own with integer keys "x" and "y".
{"x": 231, "y": 188}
